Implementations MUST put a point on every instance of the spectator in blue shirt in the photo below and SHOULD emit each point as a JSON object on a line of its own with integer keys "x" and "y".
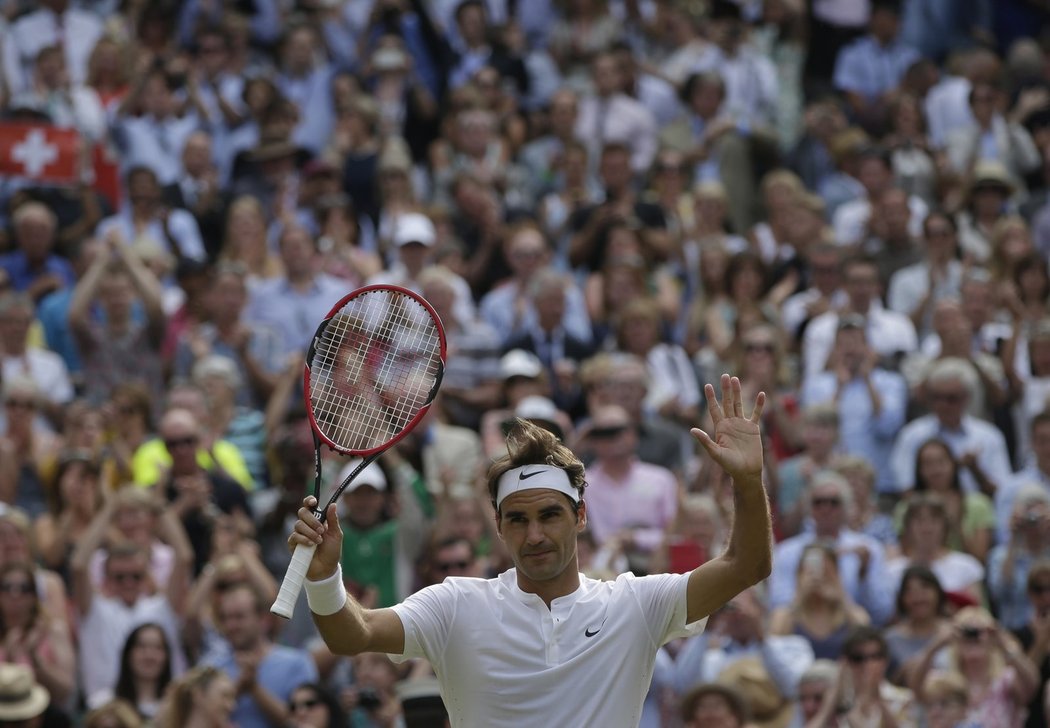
{"x": 871, "y": 67}
{"x": 264, "y": 673}
{"x": 32, "y": 267}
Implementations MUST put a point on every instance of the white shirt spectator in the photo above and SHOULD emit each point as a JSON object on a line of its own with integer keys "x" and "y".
{"x": 909, "y": 286}
{"x": 888, "y": 332}
{"x": 182, "y": 226}
{"x": 76, "y": 30}
{"x": 850, "y": 221}
{"x": 46, "y": 369}
{"x": 956, "y": 571}
{"x": 793, "y": 313}
{"x": 619, "y": 119}
{"x": 103, "y": 631}
{"x": 974, "y": 435}
{"x": 155, "y": 143}
{"x": 948, "y": 108}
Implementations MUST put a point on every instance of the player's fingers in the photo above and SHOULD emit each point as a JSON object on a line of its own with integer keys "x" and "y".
{"x": 727, "y": 396}
{"x": 299, "y": 539}
{"x": 738, "y": 407}
{"x": 705, "y": 440}
{"x": 760, "y": 403}
{"x": 314, "y": 533}
{"x": 712, "y": 403}
{"x": 307, "y": 515}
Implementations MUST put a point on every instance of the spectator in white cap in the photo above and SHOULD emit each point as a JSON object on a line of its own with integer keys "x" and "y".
{"x": 383, "y": 531}
{"x": 414, "y": 238}
{"x": 522, "y": 376}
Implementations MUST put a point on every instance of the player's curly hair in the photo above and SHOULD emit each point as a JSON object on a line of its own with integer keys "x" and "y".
{"x": 529, "y": 444}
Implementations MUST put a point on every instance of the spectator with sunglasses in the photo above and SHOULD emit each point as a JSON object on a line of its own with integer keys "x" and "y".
{"x": 861, "y": 558}
{"x": 127, "y": 598}
{"x": 30, "y": 636}
{"x": 451, "y": 556}
{"x": 1001, "y": 679}
{"x": 312, "y": 706}
{"x": 196, "y": 495}
{"x": 862, "y": 695}
{"x": 1034, "y": 636}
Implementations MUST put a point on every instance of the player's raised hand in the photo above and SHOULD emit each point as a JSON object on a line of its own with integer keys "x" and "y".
{"x": 736, "y": 441}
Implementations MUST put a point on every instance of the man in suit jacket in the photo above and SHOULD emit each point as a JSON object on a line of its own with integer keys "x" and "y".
{"x": 559, "y": 350}
{"x": 717, "y": 145}
{"x": 198, "y": 190}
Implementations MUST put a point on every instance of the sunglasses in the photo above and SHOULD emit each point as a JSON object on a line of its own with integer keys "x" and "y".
{"x": 20, "y": 403}
{"x": 753, "y": 348}
{"x": 608, "y": 432}
{"x": 306, "y": 704}
{"x": 832, "y": 502}
{"x": 859, "y": 658}
{"x": 20, "y": 587}
{"x": 128, "y": 576}
{"x": 951, "y": 397}
{"x": 1039, "y": 589}
{"x": 189, "y": 441}
{"x": 450, "y": 565}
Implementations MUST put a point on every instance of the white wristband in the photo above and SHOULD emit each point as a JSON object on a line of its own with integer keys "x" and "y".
{"x": 327, "y": 596}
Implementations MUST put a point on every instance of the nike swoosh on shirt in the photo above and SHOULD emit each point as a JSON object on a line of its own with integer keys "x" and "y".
{"x": 588, "y": 633}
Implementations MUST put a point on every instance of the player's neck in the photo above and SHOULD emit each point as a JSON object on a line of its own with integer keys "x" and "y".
{"x": 565, "y": 583}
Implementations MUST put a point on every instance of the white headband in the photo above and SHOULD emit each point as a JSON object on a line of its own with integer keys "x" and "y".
{"x": 529, "y": 477}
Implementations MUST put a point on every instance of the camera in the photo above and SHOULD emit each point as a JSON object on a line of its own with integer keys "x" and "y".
{"x": 368, "y": 699}
{"x": 971, "y": 633}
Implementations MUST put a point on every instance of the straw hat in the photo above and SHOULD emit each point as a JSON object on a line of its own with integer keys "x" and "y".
{"x": 21, "y": 697}
{"x": 748, "y": 677}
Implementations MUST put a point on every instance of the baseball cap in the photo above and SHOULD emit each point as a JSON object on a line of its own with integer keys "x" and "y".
{"x": 414, "y": 227}
{"x": 520, "y": 363}
{"x": 372, "y": 475}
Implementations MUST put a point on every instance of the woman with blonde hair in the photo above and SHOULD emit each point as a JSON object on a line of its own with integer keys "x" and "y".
{"x": 1001, "y": 680}
{"x": 246, "y": 239}
{"x": 114, "y": 714}
{"x": 822, "y": 611}
{"x": 202, "y": 698}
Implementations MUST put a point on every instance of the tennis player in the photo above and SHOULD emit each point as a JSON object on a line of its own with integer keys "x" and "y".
{"x": 541, "y": 644}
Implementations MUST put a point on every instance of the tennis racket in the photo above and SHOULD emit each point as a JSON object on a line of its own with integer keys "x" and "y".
{"x": 372, "y": 372}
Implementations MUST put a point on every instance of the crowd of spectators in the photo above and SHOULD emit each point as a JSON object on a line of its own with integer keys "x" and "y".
{"x": 846, "y": 203}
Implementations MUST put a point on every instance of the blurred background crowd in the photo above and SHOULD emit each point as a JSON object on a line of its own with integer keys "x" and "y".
{"x": 846, "y": 203}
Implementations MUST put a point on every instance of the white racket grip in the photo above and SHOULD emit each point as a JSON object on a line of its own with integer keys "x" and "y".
{"x": 293, "y": 581}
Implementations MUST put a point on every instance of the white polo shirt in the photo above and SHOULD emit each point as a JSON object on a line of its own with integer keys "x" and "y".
{"x": 504, "y": 659}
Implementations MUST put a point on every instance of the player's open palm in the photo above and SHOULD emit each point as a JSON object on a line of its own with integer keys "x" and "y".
{"x": 736, "y": 442}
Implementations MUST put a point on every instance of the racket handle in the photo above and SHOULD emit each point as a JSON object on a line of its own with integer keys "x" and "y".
{"x": 293, "y": 581}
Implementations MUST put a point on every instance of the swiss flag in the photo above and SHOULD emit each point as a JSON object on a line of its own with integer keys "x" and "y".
{"x": 39, "y": 152}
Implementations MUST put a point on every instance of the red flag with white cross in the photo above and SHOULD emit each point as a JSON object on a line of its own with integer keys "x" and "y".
{"x": 40, "y": 153}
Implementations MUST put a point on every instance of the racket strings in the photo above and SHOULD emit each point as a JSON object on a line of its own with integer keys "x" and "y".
{"x": 374, "y": 368}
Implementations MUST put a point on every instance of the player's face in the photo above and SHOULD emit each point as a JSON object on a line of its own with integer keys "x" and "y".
{"x": 540, "y": 529}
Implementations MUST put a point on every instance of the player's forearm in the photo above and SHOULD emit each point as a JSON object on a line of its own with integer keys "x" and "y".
{"x": 345, "y": 632}
{"x": 751, "y": 540}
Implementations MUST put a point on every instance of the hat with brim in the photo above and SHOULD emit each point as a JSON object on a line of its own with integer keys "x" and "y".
{"x": 21, "y": 697}
{"x": 372, "y": 475}
{"x": 540, "y": 411}
{"x": 737, "y": 705}
{"x": 991, "y": 175}
{"x": 749, "y": 677}
{"x": 386, "y": 60}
